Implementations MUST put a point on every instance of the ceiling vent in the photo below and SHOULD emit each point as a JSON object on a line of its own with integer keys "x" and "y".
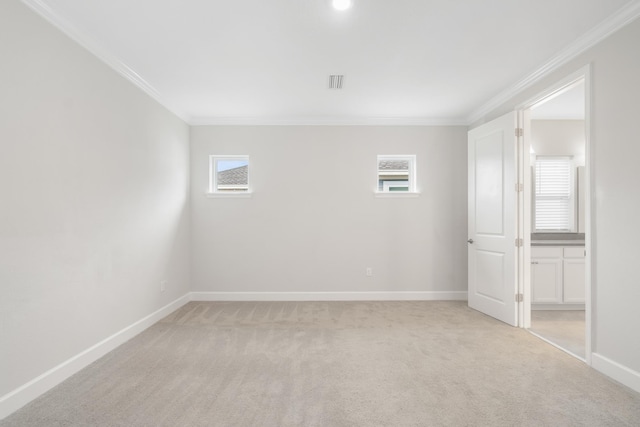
{"x": 336, "y": 81}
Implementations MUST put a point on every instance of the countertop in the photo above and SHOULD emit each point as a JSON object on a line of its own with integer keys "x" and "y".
{"x": 557, "y": 243}
{"x": 557, "y": 239}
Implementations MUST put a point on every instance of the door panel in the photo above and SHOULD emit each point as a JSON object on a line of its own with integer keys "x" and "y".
{"x": 489, "y": 184}
{"x": 493, "y": 219}
{"x": 489, "y": 273}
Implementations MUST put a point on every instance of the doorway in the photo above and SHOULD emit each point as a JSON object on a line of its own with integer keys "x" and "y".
{"x": 557, "y": 283}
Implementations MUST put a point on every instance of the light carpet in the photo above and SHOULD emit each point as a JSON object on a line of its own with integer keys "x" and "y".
{"x": 333, "y": 364}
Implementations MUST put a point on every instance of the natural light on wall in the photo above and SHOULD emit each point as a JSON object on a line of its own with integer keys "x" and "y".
{"x": 341, "y": 4}
{"x": 228, "y": 175}
{"x": 396, "y": 174}
{"x": 554, "y": 194}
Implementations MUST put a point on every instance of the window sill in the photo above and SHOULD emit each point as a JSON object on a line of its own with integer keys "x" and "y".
{"x": 230, "y": 195}
{"x": 397, "y": 195}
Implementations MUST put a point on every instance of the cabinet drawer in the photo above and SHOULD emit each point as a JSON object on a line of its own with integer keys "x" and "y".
{"x": 577, "y": 252}
{"x": 546, "y": 252}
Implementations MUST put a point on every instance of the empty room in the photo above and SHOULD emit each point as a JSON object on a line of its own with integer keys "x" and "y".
{"x": 319, "y": 213}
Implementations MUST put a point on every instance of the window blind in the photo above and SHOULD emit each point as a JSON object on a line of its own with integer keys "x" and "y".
{"x": 553, "y": 194}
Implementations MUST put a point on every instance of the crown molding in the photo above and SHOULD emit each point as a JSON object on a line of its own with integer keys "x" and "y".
{"x": 41, "y": 8}
{"x": 84, "y": 40}
{"x": 615, "y": 22}
{"x": 326, "y": 121}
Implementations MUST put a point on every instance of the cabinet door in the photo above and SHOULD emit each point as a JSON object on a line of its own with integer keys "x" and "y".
{"x": 546, "y": 280}
{"x": 574, "y": 280}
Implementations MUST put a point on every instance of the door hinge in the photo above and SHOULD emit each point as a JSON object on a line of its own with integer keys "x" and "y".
{"x": 519, "y": 298}
{"x": 519, "y": 187}
{"x": 519, "y": 132}
{"x": 519, "y": 243}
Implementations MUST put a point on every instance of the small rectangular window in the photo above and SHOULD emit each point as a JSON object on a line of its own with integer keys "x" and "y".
{"x": 396, "y": 173}
{"x": 554, "y": 193}
{"x": 229, "y": 174}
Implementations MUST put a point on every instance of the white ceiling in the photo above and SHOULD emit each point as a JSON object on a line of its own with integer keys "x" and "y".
{"x": 404, "y": 61}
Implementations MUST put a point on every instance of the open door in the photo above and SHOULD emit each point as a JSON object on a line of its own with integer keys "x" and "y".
{"x": 493, "y": 219}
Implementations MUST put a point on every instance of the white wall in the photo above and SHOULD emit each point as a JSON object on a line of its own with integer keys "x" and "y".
{"x": 94, "y": 207}
{"x": 615, "y": 110}
{"x": 313, "y": 223}
{"x": 559, "y": 138}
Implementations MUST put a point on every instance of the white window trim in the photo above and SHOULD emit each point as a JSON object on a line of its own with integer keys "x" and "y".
{"x": 229, "y": 195}
{"x": 397, "y": 194}
{"x": 413, "y": 192}
{"x": 388, "y": 184}
{"x": 213, "y": 192}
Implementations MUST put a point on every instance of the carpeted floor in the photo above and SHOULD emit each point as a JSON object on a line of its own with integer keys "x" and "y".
{"x": 334, "y": 364}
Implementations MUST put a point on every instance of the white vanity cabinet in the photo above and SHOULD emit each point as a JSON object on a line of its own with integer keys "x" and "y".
{"x": 546, "y": 275}
{"x": 557, "y": 275}
{"x": 573, "y": 275}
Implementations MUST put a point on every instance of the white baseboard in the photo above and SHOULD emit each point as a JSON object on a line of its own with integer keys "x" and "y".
{"x": 616, "y": 371}
{"x": 330, "y": 296}
{"x": 24, "y": 394}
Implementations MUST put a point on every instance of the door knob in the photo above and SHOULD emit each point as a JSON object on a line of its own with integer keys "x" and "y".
{"x": 470, "y": 241}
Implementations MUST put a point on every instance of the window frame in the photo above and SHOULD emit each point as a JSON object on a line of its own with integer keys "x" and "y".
{"x": 571, "y": 198}
{"x": 412, "y": 190}
{"x": 214, "y": 190}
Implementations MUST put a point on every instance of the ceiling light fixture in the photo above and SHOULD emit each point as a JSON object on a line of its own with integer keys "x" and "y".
{"x": 341, "y": 4}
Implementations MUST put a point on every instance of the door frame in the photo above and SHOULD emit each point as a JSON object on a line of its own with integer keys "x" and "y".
{"x": 524, "y": 205}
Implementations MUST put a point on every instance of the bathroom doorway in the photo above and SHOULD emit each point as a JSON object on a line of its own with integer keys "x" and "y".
{"x": 559, "y": 285}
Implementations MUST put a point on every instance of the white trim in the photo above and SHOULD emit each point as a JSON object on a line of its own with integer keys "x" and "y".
{"x": 87, "y": 42}
{"x": 24, "y": 394}
{"x": 618, "y": 20}
{"x": 332, "y": 296}
{"x": 229, "y": 194}
{"x": 213, "y": 175}
{"x": 559, "y": 88}
{"x": 411, "y": 173}
{"x": 615, "y": 370}
{"x": 584, "y": 73}
{"x": 589, "y": 224}
{"x": 396, "y": 194}
{"x": 524, "y": 219}
{"x": 326, "y": 121}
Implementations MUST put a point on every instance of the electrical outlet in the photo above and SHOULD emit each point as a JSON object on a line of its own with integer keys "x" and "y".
{"x": 163, "y": 285}
{"x": 369, "y": 272}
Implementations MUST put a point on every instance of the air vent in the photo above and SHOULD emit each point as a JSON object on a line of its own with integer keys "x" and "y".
{"x": 336, "y": 81}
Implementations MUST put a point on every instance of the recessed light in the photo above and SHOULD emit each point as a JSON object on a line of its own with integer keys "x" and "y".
{"x": 341, "y": 4}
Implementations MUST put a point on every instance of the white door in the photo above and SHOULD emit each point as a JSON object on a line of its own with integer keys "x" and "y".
{"x": 493, "y": 198}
